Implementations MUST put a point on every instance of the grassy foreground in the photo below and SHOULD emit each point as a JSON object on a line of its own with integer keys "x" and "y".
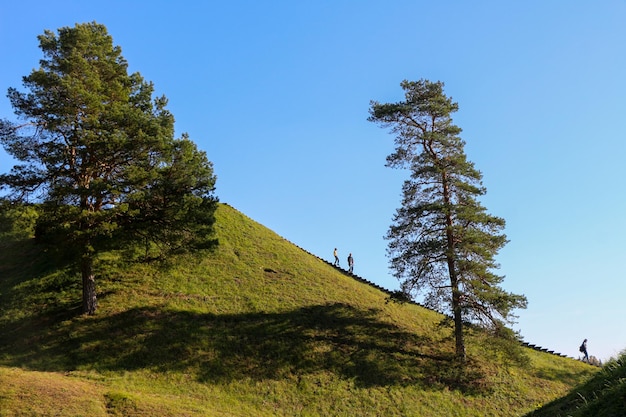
{"x": 604, "y": 395}
{"x": 256, "y": 328}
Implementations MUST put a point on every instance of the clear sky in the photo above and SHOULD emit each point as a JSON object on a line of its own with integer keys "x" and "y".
{"x": 277, "y": 93}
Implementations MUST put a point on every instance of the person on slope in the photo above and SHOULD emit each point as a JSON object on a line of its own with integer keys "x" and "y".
{"x": 350, "y": 263}
{"x": 583, "y": 349}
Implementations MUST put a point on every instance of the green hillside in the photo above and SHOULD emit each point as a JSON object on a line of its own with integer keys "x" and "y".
{"x": 259, "y": 327}
{"x": 604, "y": 395}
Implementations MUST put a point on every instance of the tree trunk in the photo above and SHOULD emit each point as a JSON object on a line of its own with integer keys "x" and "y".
{"x": 89, "y": 286}
{"x": 456, "y": 312}
{"x": 458, "y": 322}
{"x": 454, "y": 281}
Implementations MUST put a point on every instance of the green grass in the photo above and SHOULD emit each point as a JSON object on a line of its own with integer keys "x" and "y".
{"x": 257, "y": 327}
{"x": 604, "y": 395}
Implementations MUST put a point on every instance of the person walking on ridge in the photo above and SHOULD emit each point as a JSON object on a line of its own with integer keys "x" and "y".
{"x": 583, "y": 349}
{"x": 336, "y": 258}
{"x": 350, "y": 263}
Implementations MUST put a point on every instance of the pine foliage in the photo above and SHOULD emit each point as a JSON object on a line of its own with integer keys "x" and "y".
{"x": 98, "y": 152}
{"x": 443, "y": 242}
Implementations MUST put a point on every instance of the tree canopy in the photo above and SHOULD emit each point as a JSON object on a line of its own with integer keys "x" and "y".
{"x": 97, "y": 151}
{"x": 443, "y": 243}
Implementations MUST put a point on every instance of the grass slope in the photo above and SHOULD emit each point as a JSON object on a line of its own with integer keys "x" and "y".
{"x": 604, "y": 395}
{"x": 256, "y": 328}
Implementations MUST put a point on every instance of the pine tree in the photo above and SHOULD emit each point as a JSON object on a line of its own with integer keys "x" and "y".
{"x": 98, "y": 154}
{"x": 443, "y": 243}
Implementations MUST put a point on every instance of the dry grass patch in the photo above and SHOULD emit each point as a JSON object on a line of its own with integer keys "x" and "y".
{"x": 30, "y": 393}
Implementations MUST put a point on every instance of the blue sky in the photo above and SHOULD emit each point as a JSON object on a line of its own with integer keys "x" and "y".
{"x": 277, "y": 93}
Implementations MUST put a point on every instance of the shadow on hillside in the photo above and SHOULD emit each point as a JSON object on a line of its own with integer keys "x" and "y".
{"x": 337, "y": 338}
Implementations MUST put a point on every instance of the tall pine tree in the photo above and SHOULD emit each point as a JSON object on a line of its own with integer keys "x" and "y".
{"x": 443, "y": 243}
{"x": 98, "y": 153}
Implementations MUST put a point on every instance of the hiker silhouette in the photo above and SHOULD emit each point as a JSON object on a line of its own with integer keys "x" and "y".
{"x": 583, "y": 349}
{"x": 350, "y": 263}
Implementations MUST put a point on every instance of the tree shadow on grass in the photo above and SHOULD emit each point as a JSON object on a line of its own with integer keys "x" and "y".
{"x": 338, "y": 338}
{"x": 41, "y": 329}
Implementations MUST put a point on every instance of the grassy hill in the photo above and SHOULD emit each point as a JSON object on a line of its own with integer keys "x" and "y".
{"x": 259, "y": 327}
{"x": 604, "y": 395}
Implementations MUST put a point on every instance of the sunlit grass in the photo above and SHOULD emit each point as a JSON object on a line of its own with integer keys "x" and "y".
{"x": 256, "y": 328}
{"x": 602, "y": 395}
